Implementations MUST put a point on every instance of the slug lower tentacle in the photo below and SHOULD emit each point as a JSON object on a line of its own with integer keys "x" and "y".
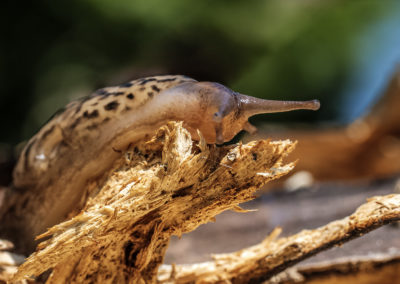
{"x": 81, "y": 142}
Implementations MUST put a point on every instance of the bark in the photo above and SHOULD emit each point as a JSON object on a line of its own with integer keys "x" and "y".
{"x": 262, "y": 261}
{"x": 382, "y": 268}
{"x": 168, "y": 186}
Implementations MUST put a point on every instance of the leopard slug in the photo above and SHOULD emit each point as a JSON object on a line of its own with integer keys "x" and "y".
{"x": 83, "y": 140}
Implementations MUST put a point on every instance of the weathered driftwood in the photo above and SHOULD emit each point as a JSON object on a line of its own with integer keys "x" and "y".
{"x": 271, "y": 256}
{"x": 380, "y": 268}
{"x": 168, "y": 186}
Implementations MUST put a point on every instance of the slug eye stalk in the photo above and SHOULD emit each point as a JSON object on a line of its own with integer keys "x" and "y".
{"x": 251, "y": 106}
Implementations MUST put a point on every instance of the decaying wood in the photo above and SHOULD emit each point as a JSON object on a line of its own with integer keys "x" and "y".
{"x": 165, "y": 187}
{"x": 368, "y": 148}
{"x": 170, "y": 186}
{"x": 383, "y": 268}
{"x": 270, "y": 257}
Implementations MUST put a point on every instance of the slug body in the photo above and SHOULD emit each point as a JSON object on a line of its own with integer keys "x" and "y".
{"x": 81, "y": 142}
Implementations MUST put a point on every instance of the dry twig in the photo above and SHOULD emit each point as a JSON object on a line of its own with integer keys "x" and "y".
{"x": 262, "y": 261}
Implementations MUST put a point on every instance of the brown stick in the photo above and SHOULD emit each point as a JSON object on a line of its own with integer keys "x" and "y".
{"x": 262, "y": 261}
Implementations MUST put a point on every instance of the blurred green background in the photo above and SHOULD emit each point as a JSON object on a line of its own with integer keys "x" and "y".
{"x": 341, "y": 52}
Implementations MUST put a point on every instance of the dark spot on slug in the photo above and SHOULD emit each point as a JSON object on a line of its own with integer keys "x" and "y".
{"x": 106, "y": 119}
{"x": 75, "y": 123}
{"x": 142, "y": 89}
{"x": 130, "y": 96}
{"x": 126, "y": 85}
{"x": 100, "y": 92}
{"x": 127, "y": 108}
{"x": 78, "y": 109}
{"x": 144, "y": 81}
{"x": 92, "y": 114}
{"x": 94, "y": 104}
{"x": 254, "y": 156}
{"x": 116, "y": 94}
{"x": 166, "y": 80}
{"x": 155, "y": 88}
{"x": 150, "y": 94}
{"x": 112, "y": 105}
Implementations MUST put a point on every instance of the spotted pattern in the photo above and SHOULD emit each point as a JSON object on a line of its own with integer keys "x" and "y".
{"x": 82, "y": 118}
{"x": 111, "y": 106}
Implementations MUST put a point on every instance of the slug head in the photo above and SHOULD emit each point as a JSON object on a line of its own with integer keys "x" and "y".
{"x": 222, "y": 113}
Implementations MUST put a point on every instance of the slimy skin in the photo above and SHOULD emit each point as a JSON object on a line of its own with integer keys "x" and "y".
{"x": 80, "y": 143}
{"x": 79, "y": 132}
